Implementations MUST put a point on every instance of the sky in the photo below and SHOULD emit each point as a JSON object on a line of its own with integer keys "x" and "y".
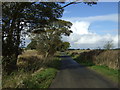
{"x": 93, "y": 26}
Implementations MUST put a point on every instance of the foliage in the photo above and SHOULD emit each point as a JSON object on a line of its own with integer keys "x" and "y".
{"x": 32, "y": 72}
{"x": 20, "y": 17}
{"x": 49, "y": 41}
{"x": 41, "y": 79}
{"x": 64, "y": 46}
{"x": 55, "y": 63}
{"x": 17, "y": 19}
{"x": 98, "y": 57}
{"x": 88, "y": 2}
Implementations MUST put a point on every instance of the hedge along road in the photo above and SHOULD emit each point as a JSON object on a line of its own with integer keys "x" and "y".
{"x": 73, "y": 75}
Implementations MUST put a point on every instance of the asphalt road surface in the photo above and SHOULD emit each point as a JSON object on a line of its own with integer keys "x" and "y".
{"x": 73, "y": 75}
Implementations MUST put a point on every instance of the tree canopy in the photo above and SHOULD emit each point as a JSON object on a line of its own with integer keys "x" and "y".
{"x": 18, "y": 18}
{"x": 49, "y": 40}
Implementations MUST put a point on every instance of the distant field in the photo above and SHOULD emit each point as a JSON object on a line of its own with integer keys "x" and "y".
{"x": 76, "y": 51}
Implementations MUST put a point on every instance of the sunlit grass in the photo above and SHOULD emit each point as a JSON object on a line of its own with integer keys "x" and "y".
{"x": 32, "y": 72}
{"x": 40, "y": 79}
{"x": 103, "y": 62}
{"x": 109, "y": 73}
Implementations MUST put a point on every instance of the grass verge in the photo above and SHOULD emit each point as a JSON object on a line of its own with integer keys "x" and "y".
{"x": 40, "y": 78}
{"x": 107, "y": 72}
{"x": 111, "y": 74}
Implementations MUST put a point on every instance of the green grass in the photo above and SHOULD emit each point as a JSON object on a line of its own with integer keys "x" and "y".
{"x": 107, "y": 72}
{"x": 112, "y": 74}
{"x": 42, "y": 78}
{"x": 54, "y": 63}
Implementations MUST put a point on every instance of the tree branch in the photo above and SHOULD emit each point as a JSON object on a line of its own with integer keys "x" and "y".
{"x": 75, "y": 2}
{"x": 70, "y": 4}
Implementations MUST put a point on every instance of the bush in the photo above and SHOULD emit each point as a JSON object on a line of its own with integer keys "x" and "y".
{"x": 99, "y": 57}
{"x": 40, "y": 79}
{"x": 32, "y": 72}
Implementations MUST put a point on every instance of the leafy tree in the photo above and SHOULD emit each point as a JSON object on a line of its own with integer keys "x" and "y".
{"x": 49, "y": 41}
{"x": 88, "y": 49}
{"x": 108, "y": 45}
{"x": 18, "y": 17}
{"x": 64, "y": 46}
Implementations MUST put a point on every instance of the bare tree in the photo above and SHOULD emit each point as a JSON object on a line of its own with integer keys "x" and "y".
{"x": 108, "y": 45}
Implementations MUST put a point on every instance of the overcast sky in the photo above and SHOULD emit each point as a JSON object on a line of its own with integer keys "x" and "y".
{"x": 93, "y": 26}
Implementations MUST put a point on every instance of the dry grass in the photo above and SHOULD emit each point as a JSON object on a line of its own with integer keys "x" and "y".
{"x": 28, "y": 53}
{"x": 105, "y": 62}
{"x": 108, "y": 58}
{"x": 30, "y": 60}
{"x": 99, "y": 57}
{"x": 14, "y": 80}
{"x": 76, "y": 51}
{"x": 28, "y": 63}
{"x": 34, "y": 71}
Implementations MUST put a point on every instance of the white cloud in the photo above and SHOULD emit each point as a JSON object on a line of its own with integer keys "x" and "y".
{"x": 83, "y": 38}
{"x": 109, "y": 17}
{"x": 80, "y": 25}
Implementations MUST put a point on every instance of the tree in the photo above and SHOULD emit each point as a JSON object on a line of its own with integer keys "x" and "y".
{"x": 108, "y": 45}
{"x": 99, "y": 48}
{"x": 17, "y": 19}
{"x": 64, "y": 46}
{"x": 20, "y": 17}
{"x": 88, "y": 2}
{"x": 49, "y": 40}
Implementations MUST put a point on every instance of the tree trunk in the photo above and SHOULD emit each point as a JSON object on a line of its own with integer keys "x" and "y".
{"x": 11, "y": 50}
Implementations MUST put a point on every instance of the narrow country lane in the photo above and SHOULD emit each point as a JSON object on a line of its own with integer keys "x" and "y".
{"x": 73, "y": 75}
